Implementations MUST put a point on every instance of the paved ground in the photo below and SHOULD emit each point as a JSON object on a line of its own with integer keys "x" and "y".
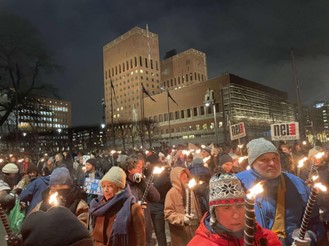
{"x": 167, "y": 234}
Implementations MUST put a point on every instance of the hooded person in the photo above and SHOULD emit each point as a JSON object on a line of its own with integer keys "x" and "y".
{"x": 117, "y": 219}
{"x": 56, "y": 226}
{"x": 281, "y": 206}
{"x": 224, "y": 223}
{"x": 68, "y": 195}
{"x": 182, "y": 224}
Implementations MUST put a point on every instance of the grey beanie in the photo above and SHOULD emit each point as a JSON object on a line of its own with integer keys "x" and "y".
{"x": 117, "y": 176}
{"x": 224, "y": 158}
{"x": 258, "y": 147}
{"x": 60, "y": 176}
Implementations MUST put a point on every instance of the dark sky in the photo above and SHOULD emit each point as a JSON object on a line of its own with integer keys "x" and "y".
{"x": 251, "y": 39}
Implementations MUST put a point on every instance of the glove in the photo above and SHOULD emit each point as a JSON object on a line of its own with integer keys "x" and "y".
{"x": 14, "y": 240}
{"x": 307, "y": 241}
{"x": 188, "y": 219}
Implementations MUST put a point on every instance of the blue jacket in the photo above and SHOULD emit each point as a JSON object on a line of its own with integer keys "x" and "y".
{"x": 295, "y": 203}
{"x": 33, "y": 192}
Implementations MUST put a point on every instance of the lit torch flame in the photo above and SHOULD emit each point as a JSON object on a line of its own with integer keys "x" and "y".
{"x": 240, "y": 146}
{"x": 53, "y": 200}
{"x": 186, "y": 152}
{"x": 191, "y": 183}
{"x": 315, "y": 177}
{"x": 1, "y": 160}
{"x": 320, "y": 187}
{"x": 158, "y": 170}
{"x": 319, "y": 155}
{"x": 301, "y": 162}
{"x": 255, "y": 190}
{"x": 242, "y": 158}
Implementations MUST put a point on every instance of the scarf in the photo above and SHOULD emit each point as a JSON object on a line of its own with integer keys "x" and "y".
{"x": 120, "y": 205}
{"x": 279, "y": 221}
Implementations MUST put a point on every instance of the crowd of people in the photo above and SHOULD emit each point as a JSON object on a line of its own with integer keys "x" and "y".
{"x": 123, "y": 198}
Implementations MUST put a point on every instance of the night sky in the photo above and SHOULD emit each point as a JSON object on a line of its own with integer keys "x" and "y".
{"x": 251, "y": 39}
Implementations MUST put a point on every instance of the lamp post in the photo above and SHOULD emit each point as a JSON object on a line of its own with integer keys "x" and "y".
{"x": 210, "y": 100}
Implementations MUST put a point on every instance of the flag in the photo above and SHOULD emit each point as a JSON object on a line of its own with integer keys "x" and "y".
{"x": 112, "y": 86}
{"x": 172, "y": 98}
{"x": 145, "y": 91}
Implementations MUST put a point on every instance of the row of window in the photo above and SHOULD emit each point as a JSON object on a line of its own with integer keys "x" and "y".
{"x": 130, "y": 64}
{"x": 182, "y": 79}
{"x": 182, "y": 114}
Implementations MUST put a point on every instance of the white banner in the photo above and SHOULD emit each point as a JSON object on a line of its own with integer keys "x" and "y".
{"x": 237, "y": 131}
{"x": 285, "y": 131}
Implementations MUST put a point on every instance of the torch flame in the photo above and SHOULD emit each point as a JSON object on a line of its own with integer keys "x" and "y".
{"x": 198, "y": 151}
{"x": 53, "y": 199}
{"x": 319, "y": 155}
{"x": 255, "y": 190}
{"x": 186, "y": 152}
{"x": 315, "y": 177}
{"x": 301, "y": 162}
{"x": 191, "y": 183}
{"x": 242, "y": 158}
{"x": 240, "y": 146}
{"x": 320, "y": 187}
{"x": 158, "y": 170}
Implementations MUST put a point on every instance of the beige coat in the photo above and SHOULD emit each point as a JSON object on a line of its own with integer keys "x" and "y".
{"x": 175, "y": 209}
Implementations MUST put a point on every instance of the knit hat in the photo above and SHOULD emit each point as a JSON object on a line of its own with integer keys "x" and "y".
{"x": 60, "y": 176}
{"x": 225, "y": 189}
{"x": 258, "y": 147}
{"x": 10, "y": 168}
{"x": 51, "y": 228}
{"x": 315, "y": 150}
{"x": 92, "y": 162}
{"x": 117, "y": 176}
{"x": 224, "y": 158}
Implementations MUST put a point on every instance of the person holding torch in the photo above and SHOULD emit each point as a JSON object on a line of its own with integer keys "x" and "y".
{"x": 281, "y": 206}
{"x": 181, "y": 208}
{"x": 225, "y": 222}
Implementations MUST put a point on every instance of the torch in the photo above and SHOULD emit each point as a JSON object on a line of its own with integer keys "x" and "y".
{"x": 53, "y": 199}
{"x": 249, "y": 204}
{"x": 5, "y": 222}
{"x": 190, "y": 185}
{"x": 300, "y": 165}
{"x": 156, "y": 170}
{"x": 309, "y": 207}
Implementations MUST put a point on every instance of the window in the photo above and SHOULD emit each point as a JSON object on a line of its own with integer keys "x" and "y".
{"x": 188, "y": 113}
{"x": 195, "y": 111}
{"x": 135, "y": 61}
{"x": 140, "y": 61}
{"x": 182, "y": 114}
{"x": 202, "y": 110}
{"x": 146, "y": 64}
{"x": 177, "y": 115}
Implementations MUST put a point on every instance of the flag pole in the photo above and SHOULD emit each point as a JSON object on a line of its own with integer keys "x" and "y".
{"x": 169, "y": 117}
{"x": 112, "y": 112}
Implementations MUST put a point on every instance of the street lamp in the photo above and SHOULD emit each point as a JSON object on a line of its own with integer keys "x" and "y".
{"x": 209, "y": 100}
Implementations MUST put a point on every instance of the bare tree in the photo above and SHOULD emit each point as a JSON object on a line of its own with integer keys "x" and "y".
{"x": 24, "y": 60}
{"x": 151, "y": 130}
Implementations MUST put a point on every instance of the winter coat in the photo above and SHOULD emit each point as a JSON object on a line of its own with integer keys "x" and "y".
{"x": 296, "y": 197}
{"x": 174, "y": 210}
{"x": 73, "y": 202}
{"x": 137, "y": 190}
{"x": 33, "y": 192}
{"x": 206, "y": 236}
{"x": 105, "y": 215}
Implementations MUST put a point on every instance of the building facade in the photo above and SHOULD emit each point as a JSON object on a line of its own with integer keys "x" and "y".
{"x": 235, "y": 100}
{"x": 129, "y": 61}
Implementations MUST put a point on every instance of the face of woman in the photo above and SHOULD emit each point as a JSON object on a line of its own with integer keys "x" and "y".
{"x": 231, "y": 217}
{"x": 109, "y": 189}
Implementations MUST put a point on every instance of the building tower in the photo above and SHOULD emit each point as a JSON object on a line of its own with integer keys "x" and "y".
{"x": 130, "y": 61}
